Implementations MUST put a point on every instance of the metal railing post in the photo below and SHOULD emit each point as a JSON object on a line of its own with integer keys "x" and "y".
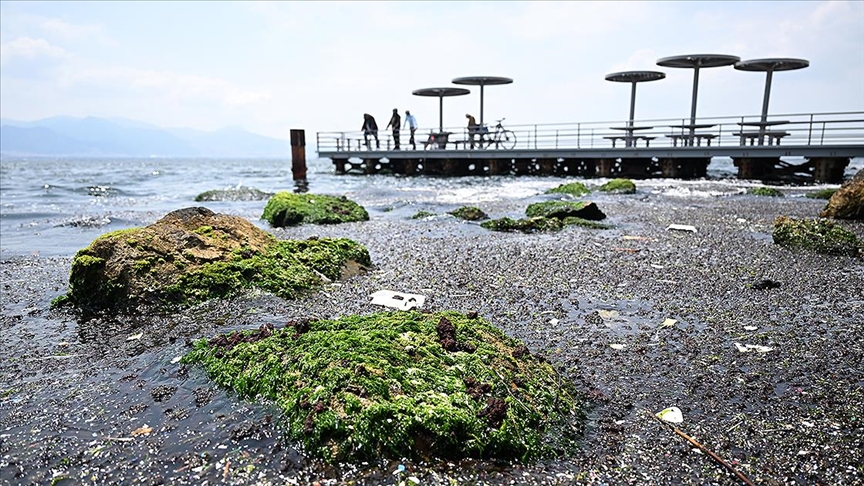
{"x": 822, "y": 138}
{"x": 535, "y": 137}
{"x": 556, "y": 139}
{"x": 578, "y": 135}
{"x": 810, "y": 129}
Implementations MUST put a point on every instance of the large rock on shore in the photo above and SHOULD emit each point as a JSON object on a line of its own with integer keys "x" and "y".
{"x": 819, "y": 235}
{"x": 289, "y": 209}
{"x": 424, "y": 386}
{"x": 194, "y": 254}
{"x": 848, "y": 201}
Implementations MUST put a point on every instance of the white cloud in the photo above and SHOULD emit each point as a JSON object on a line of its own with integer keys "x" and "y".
{"x": 29, "y": 49}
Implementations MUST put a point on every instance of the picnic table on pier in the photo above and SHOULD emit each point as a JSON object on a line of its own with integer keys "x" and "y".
{"x": 482, "y": 81}
{"x": 691, "y": 136}
{"x": 754, "y": 137}
{"x": 633, "y": 77}
{"x": 629, "y": 138}
{"x": 696, "y": 62}
{"x": 768, "y": 66}
{"x": 440, "y": 93}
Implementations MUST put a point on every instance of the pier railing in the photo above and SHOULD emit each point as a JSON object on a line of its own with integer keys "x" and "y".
{"x": 798, "y": 130}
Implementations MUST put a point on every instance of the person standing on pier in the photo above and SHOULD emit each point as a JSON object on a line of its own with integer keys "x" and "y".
{"x": 473, "y": 128}
{"x": 411, "y": 123}
{"x": 396, "y": 124}
{"x": 370, "y": 128}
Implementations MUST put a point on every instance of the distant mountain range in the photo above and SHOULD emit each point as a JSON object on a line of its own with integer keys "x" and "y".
{"x": 118, "y": 137}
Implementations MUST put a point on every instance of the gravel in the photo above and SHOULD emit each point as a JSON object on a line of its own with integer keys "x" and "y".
{"x": 81, "y": 402}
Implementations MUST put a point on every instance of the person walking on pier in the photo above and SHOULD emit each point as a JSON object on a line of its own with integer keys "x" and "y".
{"x": 411, "y": 123}
{"x": 396, "y": 124}
{"x": 473, "y": 128}
{"x": 370, "y": 128}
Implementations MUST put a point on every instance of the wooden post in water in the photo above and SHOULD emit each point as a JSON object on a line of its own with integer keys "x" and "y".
{"x": 298, "y": 154}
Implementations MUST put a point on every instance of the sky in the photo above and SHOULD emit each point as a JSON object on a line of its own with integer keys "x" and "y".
{"x": 274, "y": 66}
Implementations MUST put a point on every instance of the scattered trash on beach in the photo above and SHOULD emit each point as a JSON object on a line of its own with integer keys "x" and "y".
{"x": 607, "y": 314}
{"x": 681, "y": 227}
{"x": 554, "y": 321}
{"x": 636, "y": 238}
{"x": 746, "y": 348}
{"x": 398, "y": 300}
{"x": 672, "y": 415}
{"x": 750, "y": 328}
{"x": 143, "y": 430}
{"x": 618, "y": 346}
{"x": 667, "y": 323}
{"x": 176, "y": 359}
{"x": 135, "y": 337}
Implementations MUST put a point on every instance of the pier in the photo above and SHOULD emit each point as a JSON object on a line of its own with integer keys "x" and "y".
{"x": 674, "y": 148}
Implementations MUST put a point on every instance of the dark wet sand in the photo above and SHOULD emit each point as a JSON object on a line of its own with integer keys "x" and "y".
{"x": 74, "y": 394}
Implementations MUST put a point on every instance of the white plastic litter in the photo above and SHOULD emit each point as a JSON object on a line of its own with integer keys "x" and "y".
{"x": 398, "y": 300}
{"x": 135, "y": 337}
{"x": 746, "y": 348}
{"x": 750, "y": 328}
{"x": 668, "y": 323}
{"x": 672, "y": 415}
{"x": 617, "y": 346}
{"x": 681, "y": 227}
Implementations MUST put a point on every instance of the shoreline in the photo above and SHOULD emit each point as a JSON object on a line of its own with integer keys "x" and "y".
{"x": 788, "y": 415}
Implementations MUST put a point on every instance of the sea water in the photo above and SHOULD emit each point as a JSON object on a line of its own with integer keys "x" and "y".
{"x": 56, "y": 206}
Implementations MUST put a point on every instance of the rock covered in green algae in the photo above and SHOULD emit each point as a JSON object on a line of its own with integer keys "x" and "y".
{"x": 765, "y": 191}
{"x": 237, "y": 194}
{"x": 401, "y": 384}
{"x": 422, "y": 214}
{"x": 194, "y": 254}
{"x": 821, "y": 194}
{"x": 289, "y": 209}
{"x": 469, "y": 213}
{"x": 819, "y": 235}
{"x": 563, "y": 209}
{"x": 848, "y": 201}
{"x": 618, "y": 186}
{"x": 573, "y": 189}
{"x": 539, "y": 223}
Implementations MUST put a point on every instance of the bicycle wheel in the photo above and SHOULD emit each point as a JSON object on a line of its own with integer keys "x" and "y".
{"x": 507, "y": 140}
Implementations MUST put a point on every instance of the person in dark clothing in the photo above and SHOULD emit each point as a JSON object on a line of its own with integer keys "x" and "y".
{"x": 370, "y": 128}
{"x": 396, "y": 123}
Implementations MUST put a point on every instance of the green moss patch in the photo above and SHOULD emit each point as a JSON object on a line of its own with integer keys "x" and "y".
{"x": 764, "y": 191}
{"x": 821, "y": 194}
{"x": 618, "y": 186}
{"x": 573, "y": 188}
{"x": 401, "y": 384}
{"x": 289, "y": 209}
{"x": 564, "y": 209}
{"x": 819, "y": 235}
{"x": 469, "y": 213}
{"x": 422, "y": 214}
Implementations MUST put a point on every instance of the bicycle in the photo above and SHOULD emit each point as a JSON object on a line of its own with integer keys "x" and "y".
{"x": 501, "y": 137}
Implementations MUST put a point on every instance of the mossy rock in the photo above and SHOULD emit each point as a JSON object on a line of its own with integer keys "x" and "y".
{"x": 765, "y": 191}
{"x": 239, "y": 194}
{"x": 422, "y": 214}
{"x": 819, "y": 235}
{"x": 618, "y": 186}
{"x": 193, "y": 254}
{"x": 540, "y": 223}
{"x": 289, "y": 209}
{"x": 469, "y": 213}
{"x": 425, "y": 386}
{"x": 563, "y": 209}
{"x": 821, "y": 194}
{"x": 573, "y": 189}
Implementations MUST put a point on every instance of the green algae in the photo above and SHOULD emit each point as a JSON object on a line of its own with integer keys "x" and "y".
{"x": 469, "y": 213}
{"x": 573, "y": 188}
{"x": 819, "y": 235}
{"x": 422, "y": 214}
{"x": 401, "y": 384}
{"x": 765, "y": 191}
{"x": 289, "y": 209}
{"x": 821, "y": 194}
{"x": 525, "y": 225}
{"x": 618, "y": 186}
{"x": 564, "y": 209}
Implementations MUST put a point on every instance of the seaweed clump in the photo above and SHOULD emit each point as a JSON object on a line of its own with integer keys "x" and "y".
{"x": 765, "y": 191}
{"x": 821, "y": 194}
{"x": 572, "y": 188}
{"x": 469, "y": 213}
{"x": 552, "y": 216}
{"x": 289, "y": 209}
{"x": 618, "y": 186}
{"x": 819, "y": 235}
{"x": 193, "y": 254}
{"x": 401, "y": 384}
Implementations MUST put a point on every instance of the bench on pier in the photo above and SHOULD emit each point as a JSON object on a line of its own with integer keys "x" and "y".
{"x": 750, "y": 138}
{"x": 629, "y": 138}
{"x": 686, "y": 137}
